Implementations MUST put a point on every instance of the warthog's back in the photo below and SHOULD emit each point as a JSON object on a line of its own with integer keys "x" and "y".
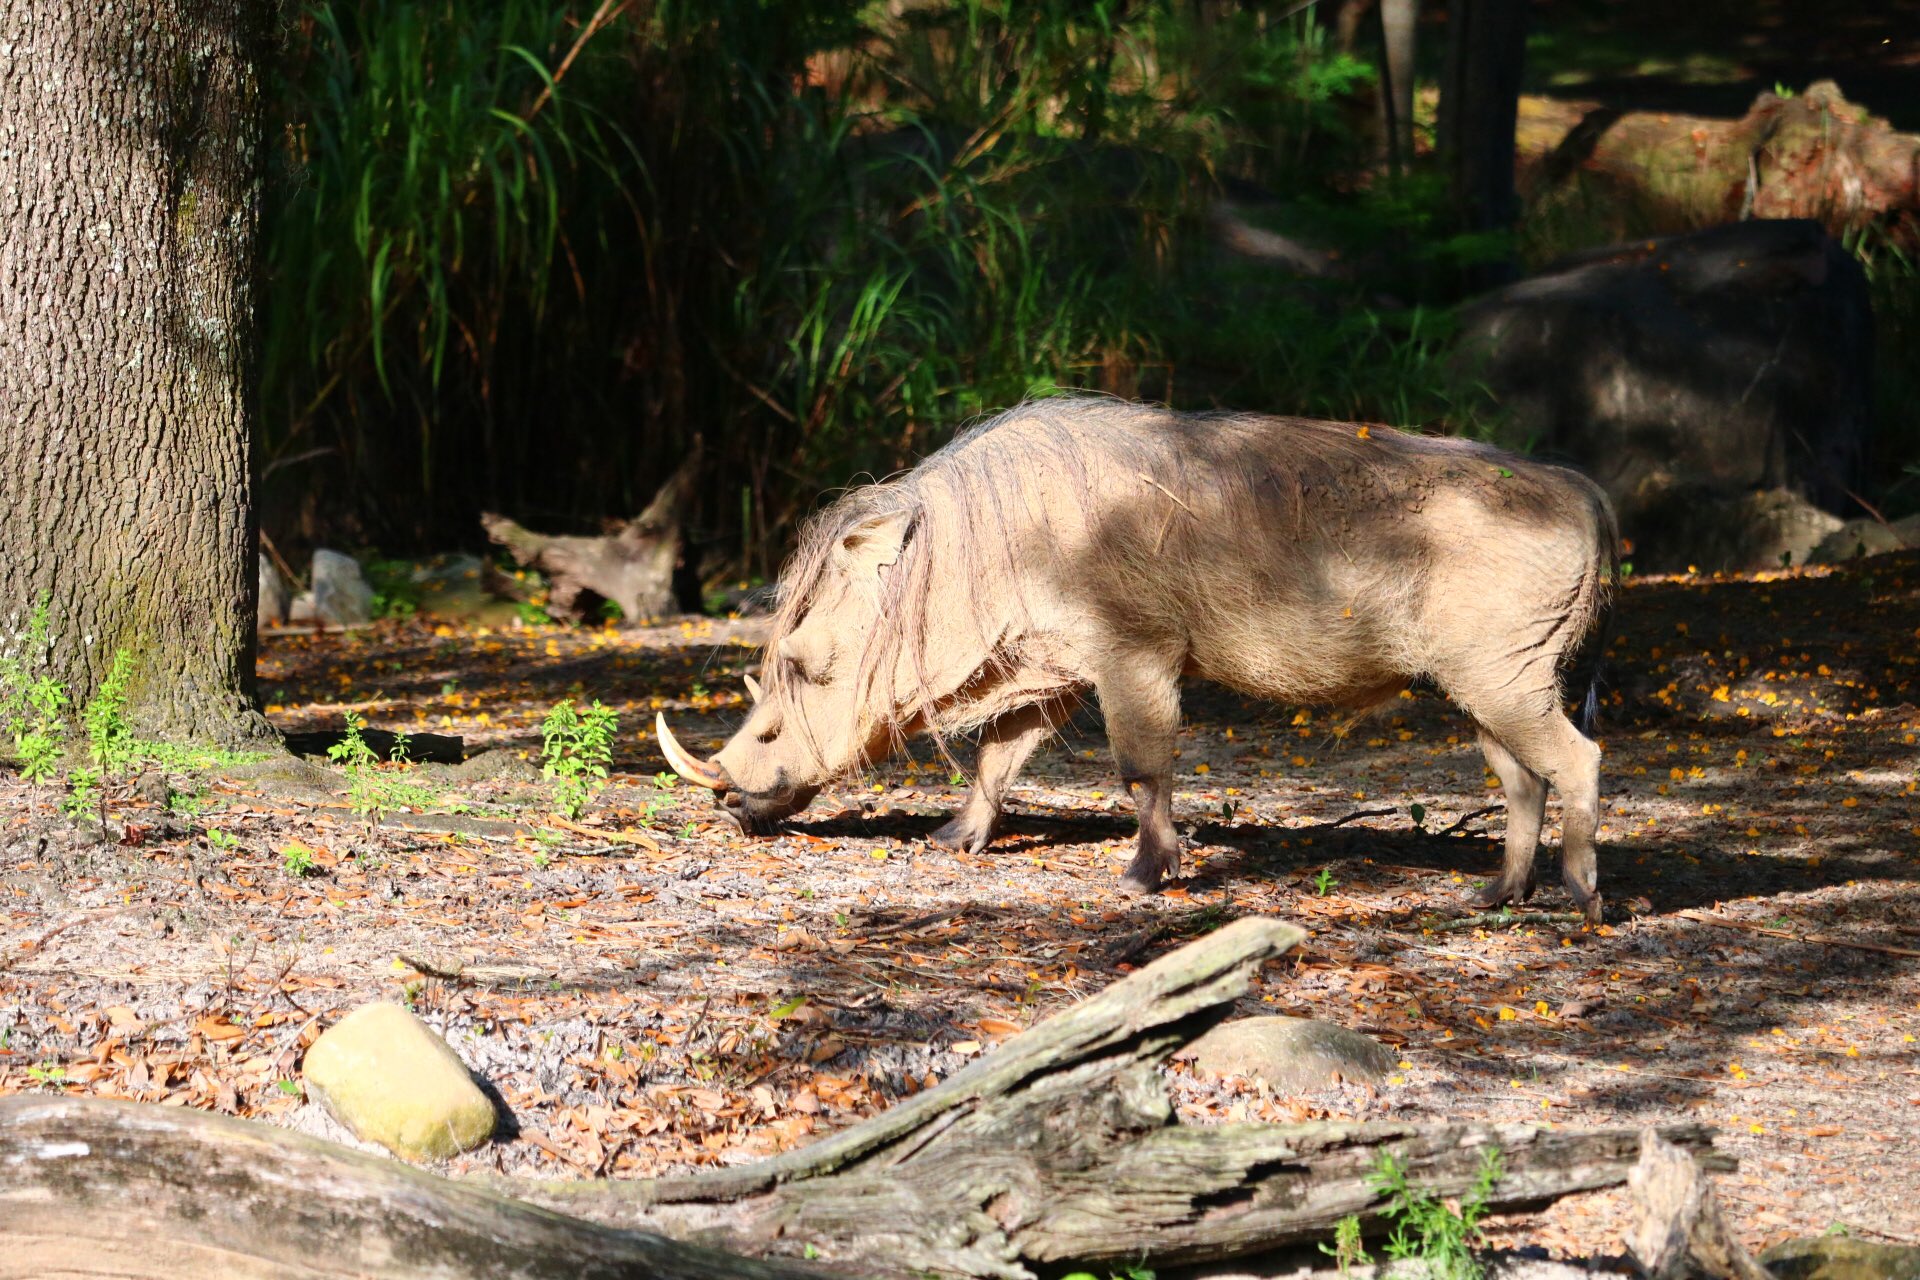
{"x": 1305, "y": 561}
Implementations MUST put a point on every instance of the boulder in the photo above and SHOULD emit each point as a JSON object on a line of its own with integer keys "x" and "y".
{"x": 1842, "y": 1258}
{"x": 1292, "y": 1055}
{"x": 341, "y": 596}
{"x": 1688, "y": 372}
{"x": 271, "y": 610}
{"x": 386, "y": 1076}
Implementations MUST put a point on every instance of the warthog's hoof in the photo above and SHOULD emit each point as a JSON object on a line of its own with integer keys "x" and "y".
{"x": 964, "y": 833}
{"x": 1150, "y": 869}
{"x": 1503, "y": 891}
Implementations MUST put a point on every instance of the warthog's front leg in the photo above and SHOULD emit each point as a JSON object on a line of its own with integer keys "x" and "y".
{"x": 1005, "y": 746}
{"x": 1142, "y": 710}
{"x": 1526, "y": 793}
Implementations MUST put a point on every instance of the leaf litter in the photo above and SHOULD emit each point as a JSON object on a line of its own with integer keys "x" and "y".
{"x": 647, "y": 990}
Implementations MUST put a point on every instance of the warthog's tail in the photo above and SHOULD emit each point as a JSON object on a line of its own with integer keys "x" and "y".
{"x": 1589, "y": 666}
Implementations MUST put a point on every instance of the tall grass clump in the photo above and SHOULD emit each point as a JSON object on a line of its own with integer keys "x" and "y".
{"x": 520, "y": 254}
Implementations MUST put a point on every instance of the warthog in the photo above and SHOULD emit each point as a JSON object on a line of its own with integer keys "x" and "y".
{"x": 1073, "y": 545}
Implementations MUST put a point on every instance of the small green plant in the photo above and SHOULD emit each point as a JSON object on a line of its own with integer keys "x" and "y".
{"x": 1324, "y": 883}
{"x": 110, "y": 741}
{"x": 352, "y": 751}
{"x": 1347, "y": 1250}
{"x": 222, "y": 840}
{"x": 51, "y": 1074}
{"x": 1418, "y": 812}
{"x": 665, "y": 781}
{"x": 577, "y": 748}
{"x": 83, "y": 792}
{"x": 371, "y": 793}
{"x": 297, "y": 861}
{"x": 533, "y": 615}
{"x": 31, "y": 701}
{"x": 1425, "y": 1228}
{"x": 289, "y": 1087}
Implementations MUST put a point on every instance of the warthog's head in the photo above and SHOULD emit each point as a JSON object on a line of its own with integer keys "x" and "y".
{"x": 843, "y": 673}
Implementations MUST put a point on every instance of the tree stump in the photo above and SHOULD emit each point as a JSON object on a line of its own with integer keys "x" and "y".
{"x": 633, "y": 564}
{"x": 1062, "y": 1146}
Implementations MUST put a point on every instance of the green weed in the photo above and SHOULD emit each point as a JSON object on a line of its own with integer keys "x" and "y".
{"x": 1324, "y": 883}
{"x": 577, "y": 747}
{"x": 297, "y": 861}
{"x": 110, "y": 741}
{"x": 1424, "y": 1228}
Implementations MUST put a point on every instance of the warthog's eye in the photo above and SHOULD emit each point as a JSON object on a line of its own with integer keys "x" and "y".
{"x": 768, "y": 734}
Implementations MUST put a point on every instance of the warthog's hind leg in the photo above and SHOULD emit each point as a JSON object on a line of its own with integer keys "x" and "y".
{"x": 1526, "y": 793}
{"x": 1543, "y": 742}
{"x": 1005, "y": 746}
{"x": 1142, "y": 711}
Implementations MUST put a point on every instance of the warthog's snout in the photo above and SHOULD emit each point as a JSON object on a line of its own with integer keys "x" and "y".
{"x": 759, "y": 813}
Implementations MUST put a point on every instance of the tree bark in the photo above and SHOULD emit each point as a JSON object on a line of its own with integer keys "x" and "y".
{"x": 1479, "y": 105}
{"x": 1059, "y": 1147}
{"x": 130, "y": 192}
{"x": 1399, "y": 24}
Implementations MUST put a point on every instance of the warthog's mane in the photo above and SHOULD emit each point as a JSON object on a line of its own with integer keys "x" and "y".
{"x": 982, "y": 497}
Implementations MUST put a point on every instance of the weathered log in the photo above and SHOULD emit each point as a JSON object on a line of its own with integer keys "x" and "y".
{"x": 96, "y": 1188}
{"x": 1810, "y": 155}
{"x": 422, "y": 748}
{"x": 1060, "y": 1146}
{"x": 633, "y": 565}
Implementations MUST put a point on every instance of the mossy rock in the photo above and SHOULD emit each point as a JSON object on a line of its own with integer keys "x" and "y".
{"x": 1842, "y": 1258}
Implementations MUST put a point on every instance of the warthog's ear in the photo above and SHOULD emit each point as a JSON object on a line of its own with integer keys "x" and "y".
{"x": 871, "y": 546}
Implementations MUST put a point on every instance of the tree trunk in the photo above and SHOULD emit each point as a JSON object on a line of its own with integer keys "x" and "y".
{"x": 1060, "y": 1147}
{"x": 1399, "y": 21}
{"x": 1479, "y": 104}
{"x": 130, "y": 192}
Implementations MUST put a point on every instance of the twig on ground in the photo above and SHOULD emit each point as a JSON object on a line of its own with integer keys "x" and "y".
{"x": 1485, "y": 919}
{"x": 1825, "y": 940}
{"x": 1357, "y": 814}
{"x": 31, "y": 945}
{"x": 598, "y": 833}
{"x": 1465, "y": 818}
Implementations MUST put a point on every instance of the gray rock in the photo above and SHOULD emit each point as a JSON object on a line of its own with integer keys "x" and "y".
{"x": 1687, "y": 372}
{"x": 274, "y": 596}
{"x": 1867, "y": 538}
{"x": 341, "y": 595}
{"x": 1292, "y": 1055}
{"x": 1842, "y": 1258}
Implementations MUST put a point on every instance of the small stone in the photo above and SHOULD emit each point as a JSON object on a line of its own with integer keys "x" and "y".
{"x": 385, "y": 1075}
{"x": 152, "y": 786}
{"x": 1842, "y": 1258}
{"x": 341, "y": 595}
{"x": 1292, "y": 1055}
{"x": 274, "y": 596}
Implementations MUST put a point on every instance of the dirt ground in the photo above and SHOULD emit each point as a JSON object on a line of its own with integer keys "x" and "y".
{"x": 648, "y": 989}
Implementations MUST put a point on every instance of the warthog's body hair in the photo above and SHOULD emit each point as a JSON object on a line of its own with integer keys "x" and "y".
{"x": 1083, "y": 545}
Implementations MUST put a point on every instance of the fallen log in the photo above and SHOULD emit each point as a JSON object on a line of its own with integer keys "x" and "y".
{"x": 421, "y": 748}
{"x": 633, "y": 564}
{"x": 1808, "y": 155}
{"x": 1061, "y": 1146}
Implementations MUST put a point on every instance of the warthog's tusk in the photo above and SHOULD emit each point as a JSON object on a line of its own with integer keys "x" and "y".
{"x": 753, "y": 686}
{"x": 683, "y": 764}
